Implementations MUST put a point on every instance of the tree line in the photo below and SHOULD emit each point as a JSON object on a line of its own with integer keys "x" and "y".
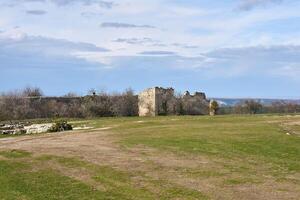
{"x": 30, "y": 103}
{"x": 256, "y": 107}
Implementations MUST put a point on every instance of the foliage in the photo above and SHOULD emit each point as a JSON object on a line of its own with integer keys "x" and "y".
{"x": 186, "y": 106}
{"x": 32, "y": 92}
{"x": 253, "y": 106}
{"x": 61, "y": 126}
{"x": 30, "y": 104}
{"x": 214, "y": 107}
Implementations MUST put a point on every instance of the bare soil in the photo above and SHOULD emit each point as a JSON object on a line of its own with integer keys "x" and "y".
{"x": 100, "y": 147}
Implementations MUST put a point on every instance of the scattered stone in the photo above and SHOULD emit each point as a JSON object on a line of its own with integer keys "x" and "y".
{"x": 38, "y": 128}
{"x": 24, "y": 128}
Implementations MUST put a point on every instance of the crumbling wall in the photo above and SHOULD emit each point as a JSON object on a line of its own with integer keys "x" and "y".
{"x": 165, "y": 101}
{"x": 162, "y": 101}
{"x": 24, "y": 128}
{"x": 147, "y": 102}
{"x": 196, "y": 104}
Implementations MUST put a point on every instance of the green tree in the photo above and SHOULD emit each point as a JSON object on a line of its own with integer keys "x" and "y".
{"x": 214, "y": 107}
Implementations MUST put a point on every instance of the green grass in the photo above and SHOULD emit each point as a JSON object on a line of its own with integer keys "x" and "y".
{"x": 251, "y": 140}
{"x": 15, "y": 154}
{"x": 255, "y": 138}
{"x": 226, "y": 137}
{"x": 241, "y": 150}
{"x": 238, "y": 181}
{"x": 120, "y": 183}
{"x": 20, "y": 179}
{"x": 18, "y": 182}
{"x": 6, "y": 136}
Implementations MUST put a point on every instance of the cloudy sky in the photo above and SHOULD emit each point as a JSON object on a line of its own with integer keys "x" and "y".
{"x": 226, "y": 48}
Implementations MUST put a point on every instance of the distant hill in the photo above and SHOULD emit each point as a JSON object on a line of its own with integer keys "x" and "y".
{"x": 234, "y": 101}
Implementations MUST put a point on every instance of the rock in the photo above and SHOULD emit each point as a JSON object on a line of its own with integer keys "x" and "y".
{"x": 38, "y": 128}
{"x": 8, "y": 132}
{"x": 16, "y": 129}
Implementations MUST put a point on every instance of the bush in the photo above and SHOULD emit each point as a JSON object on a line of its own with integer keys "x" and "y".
{"x": 61, "y": 126}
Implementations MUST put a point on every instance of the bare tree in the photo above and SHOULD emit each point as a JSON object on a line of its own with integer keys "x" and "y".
{"x": 126, "y": 104}
{"x": 32, "y": 92}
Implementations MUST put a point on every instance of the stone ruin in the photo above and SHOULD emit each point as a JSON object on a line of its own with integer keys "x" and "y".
{"x": 196, "y": 104}
{"x": 23, "y": 128}
{"x": 162, "y": 101}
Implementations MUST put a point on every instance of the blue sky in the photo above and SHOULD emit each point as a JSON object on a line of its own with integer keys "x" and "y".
{"x": 228, "y": 48}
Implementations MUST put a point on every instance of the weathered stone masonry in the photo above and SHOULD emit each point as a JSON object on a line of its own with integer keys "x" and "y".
{"x": 160, "y": 101}
{"x": 156, "y": 101}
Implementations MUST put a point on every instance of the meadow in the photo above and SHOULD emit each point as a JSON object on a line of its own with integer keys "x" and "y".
{"x": 174, "y": 157}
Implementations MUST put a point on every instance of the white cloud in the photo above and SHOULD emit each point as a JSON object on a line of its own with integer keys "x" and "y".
{"x": 262, "y": 61}
{"x": 184, "y": 30}
{"x": 16, "y": 43}
{"x": 290, "y": 70}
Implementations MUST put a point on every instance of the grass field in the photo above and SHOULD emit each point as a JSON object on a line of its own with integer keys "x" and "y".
{"x": 222, "y": 157}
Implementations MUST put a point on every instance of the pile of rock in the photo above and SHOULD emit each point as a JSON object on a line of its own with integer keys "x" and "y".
{"x": 12, "y": 129}
{"x": 38, "y": 128}
{"x": 24, "y": 128}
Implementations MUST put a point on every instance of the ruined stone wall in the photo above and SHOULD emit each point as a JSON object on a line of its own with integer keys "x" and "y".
{"x": 160, "y": 101}
{"x": 165, "y": 101}
{"x": 196, "y": 104}
{"x": 147, "y": 102}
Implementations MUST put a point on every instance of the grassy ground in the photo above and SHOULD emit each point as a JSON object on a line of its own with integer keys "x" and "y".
{"x": 223, "y": 157}
{"x": 259, "y": 137}
{"x": 25, "y": 177}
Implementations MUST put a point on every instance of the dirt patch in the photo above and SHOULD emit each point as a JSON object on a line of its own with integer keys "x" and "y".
{"x": 2, "y": 158}
{"x": 99, "y": 147}
{"x": 293, "y": 123}
{"x": 78, "y": 173}
{"x": 83, "y": 128}
{"x": 102, "y": 129}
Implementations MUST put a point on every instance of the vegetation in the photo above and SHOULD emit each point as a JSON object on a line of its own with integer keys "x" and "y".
{"x": 263, "y": 138}
{"x": 256, "y": 107}
{"x": 61, "y": 125}
{"x": 174, "y": 157}
{"x": 223, "y": 136}
{"x": 37, "y": 178}
{"x": 30, "y": 103}
{"x": 214, "y": 107}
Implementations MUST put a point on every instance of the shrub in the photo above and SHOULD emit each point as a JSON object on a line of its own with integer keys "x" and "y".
{"x": 61, "y": 126}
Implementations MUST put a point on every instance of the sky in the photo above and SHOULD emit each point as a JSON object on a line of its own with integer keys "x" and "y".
{"x": 225, "y": 48}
